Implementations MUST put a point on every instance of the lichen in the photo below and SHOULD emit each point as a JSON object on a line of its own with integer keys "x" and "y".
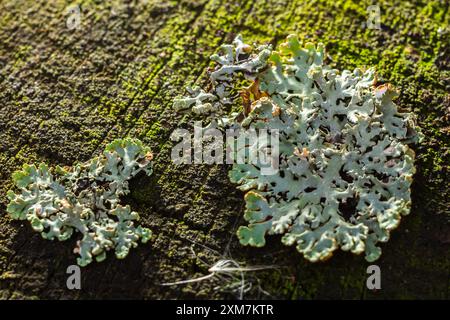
{"x": 232, "y": 61}
{"x": 85, "y": 198}
{"x": 345, "y": 168}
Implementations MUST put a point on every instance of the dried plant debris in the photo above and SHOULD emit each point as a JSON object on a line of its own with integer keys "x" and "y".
{"x": 345, "y": 168}
{"x": 85, "y": 198}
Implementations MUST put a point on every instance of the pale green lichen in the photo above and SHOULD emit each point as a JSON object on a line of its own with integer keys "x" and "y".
{"x": 85, "y": 198}
{"x": 345, "y": 168}
{"x": 233, "y": 60}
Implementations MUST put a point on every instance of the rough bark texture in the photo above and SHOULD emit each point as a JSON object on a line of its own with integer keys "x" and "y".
{"x": 64, "y": 94}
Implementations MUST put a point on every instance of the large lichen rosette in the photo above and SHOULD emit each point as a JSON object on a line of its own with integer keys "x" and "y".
{"x": 85, "y": 199}
{"x": 345, "y": 168}
{"x": 344, "y": 165}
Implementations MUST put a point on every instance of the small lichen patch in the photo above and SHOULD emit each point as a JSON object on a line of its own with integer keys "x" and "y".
{"x": 85, "y": 198}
